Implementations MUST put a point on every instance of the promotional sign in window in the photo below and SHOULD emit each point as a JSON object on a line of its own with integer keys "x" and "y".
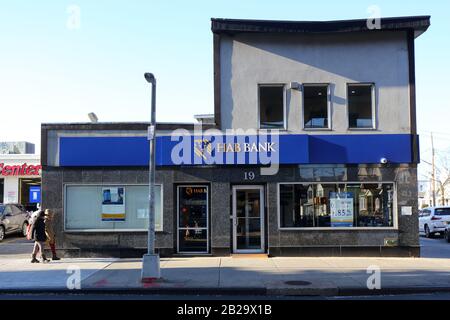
{"x": 35, "y": 194}
{"x": 113, "y": 204}
{"x": 341, "y": 208}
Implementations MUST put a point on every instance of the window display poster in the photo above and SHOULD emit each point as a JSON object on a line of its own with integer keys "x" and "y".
{"x": 35, "y": 194}
{"x": 113, "y": 204}
{"x": 341, "y": 208}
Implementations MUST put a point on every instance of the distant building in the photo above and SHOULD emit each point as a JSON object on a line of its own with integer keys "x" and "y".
{"x": 424, "y": 194}
{"x": 16, "y": 147}
{"x": 443, "y": 193}
{"x": 20, "y": 174}
{"x": 205, "y": 118}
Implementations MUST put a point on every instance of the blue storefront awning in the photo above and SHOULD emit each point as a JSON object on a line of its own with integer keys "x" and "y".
{"x": 236, "y": 150}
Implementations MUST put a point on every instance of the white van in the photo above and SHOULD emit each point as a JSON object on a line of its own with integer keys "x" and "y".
{"x": 434, "y": 220}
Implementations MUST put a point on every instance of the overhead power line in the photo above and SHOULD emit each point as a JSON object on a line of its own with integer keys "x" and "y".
{"x": 435, "y": 133}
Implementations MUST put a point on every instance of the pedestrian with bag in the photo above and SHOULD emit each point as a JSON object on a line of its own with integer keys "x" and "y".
{"x": 31, "y": 221}
{"x": 49, "y": 231}
{"x": 39, "y": 237}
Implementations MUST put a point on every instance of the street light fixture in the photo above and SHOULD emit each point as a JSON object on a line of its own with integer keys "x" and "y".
{"x": 150, "y": 261}
{"x": 93, "y": 117}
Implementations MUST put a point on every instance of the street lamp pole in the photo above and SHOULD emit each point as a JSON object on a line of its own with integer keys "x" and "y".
{"x": 150, "y": 261}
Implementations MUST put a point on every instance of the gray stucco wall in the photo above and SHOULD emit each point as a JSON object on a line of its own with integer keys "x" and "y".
{"x": 380, "y": 58}
{"x": 220, "y": 180}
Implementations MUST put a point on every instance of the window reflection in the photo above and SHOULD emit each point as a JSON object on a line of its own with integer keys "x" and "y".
{"x": 336, "y": 205}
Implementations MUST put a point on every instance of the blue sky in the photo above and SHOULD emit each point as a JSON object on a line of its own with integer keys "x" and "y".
{"x": 51, "y": 73}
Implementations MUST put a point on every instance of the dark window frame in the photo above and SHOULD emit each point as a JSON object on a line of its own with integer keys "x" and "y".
{"x": 281, "y": 85}
{"x": 373, "y": 105}
{"x": 329, "y": 126}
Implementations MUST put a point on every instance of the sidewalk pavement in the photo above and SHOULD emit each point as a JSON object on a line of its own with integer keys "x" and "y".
{"x": 230, "y": 275}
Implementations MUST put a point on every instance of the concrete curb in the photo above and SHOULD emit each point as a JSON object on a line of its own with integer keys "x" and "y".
{"x": 319, "y": 292}
{"x": 391, "y": 291}
{"x": 140, "y": 291}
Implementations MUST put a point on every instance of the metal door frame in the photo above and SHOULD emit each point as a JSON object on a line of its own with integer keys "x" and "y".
{"x": 262, "y": 220}
{"x": 207, "y": 220}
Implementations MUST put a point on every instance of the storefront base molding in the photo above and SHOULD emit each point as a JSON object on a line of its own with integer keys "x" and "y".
{"x": 131, "y": 252}
{"x": 338, "y": 251}
{"x": 322, "y": 251}
{"x": 221, "y": 252}
{"x": 111, "y": 252}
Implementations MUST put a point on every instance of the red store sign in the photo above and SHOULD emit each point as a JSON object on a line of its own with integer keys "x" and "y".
{"x": 20, "y": 170}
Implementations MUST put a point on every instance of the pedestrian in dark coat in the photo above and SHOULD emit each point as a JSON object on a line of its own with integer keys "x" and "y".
{"x": 50, "y": 232}
{"x": 39, "y": 237}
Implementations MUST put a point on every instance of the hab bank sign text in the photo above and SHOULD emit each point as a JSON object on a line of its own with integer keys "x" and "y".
{"x": 232, "y": 147}
{"x": 219, "y": 149}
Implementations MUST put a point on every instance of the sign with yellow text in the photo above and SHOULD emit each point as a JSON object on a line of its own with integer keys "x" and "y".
{"x": 113, "y": 204}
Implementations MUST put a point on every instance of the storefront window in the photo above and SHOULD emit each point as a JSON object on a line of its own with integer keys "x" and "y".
{"x": 96, "y": 207}
{"x": 328, "y": 205}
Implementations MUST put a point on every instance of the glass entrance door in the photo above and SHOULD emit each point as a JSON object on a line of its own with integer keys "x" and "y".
{"x": 248, "y": 219}
{"x": 193, "y": 219}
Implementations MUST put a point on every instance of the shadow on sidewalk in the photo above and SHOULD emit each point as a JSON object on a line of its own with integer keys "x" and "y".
{"x": 117, "y": 277}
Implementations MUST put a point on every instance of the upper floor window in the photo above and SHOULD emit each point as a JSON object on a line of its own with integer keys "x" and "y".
{"x": 271, "y": 106}
{"x": 316, "y": 106}
{"x": 361, "y": 106}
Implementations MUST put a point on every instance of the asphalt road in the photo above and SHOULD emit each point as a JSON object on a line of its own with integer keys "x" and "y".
{"x": 435, "y": 248}
{"x": 184, "y": 298}
{"x": 14, "y": 246}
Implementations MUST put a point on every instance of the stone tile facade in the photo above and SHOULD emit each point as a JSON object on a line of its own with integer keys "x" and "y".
{"x": 220, "y": 181}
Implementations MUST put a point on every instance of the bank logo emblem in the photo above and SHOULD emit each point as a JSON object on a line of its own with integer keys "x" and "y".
{"x": 202, "y": 148}
{"x": 234, "y": 146}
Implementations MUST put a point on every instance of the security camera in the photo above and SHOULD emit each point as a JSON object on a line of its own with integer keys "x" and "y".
{"x": 294, "y": 86}
{"x": 383, "y": 160}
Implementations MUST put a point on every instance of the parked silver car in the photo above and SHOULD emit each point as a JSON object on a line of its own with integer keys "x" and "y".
{"x": 13, "y": 219}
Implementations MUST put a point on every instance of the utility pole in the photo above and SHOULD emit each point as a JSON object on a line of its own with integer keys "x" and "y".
{"x": 442, "y": 191}
{"x": 150, "y": 261}
{"x": 433, "y": 172}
